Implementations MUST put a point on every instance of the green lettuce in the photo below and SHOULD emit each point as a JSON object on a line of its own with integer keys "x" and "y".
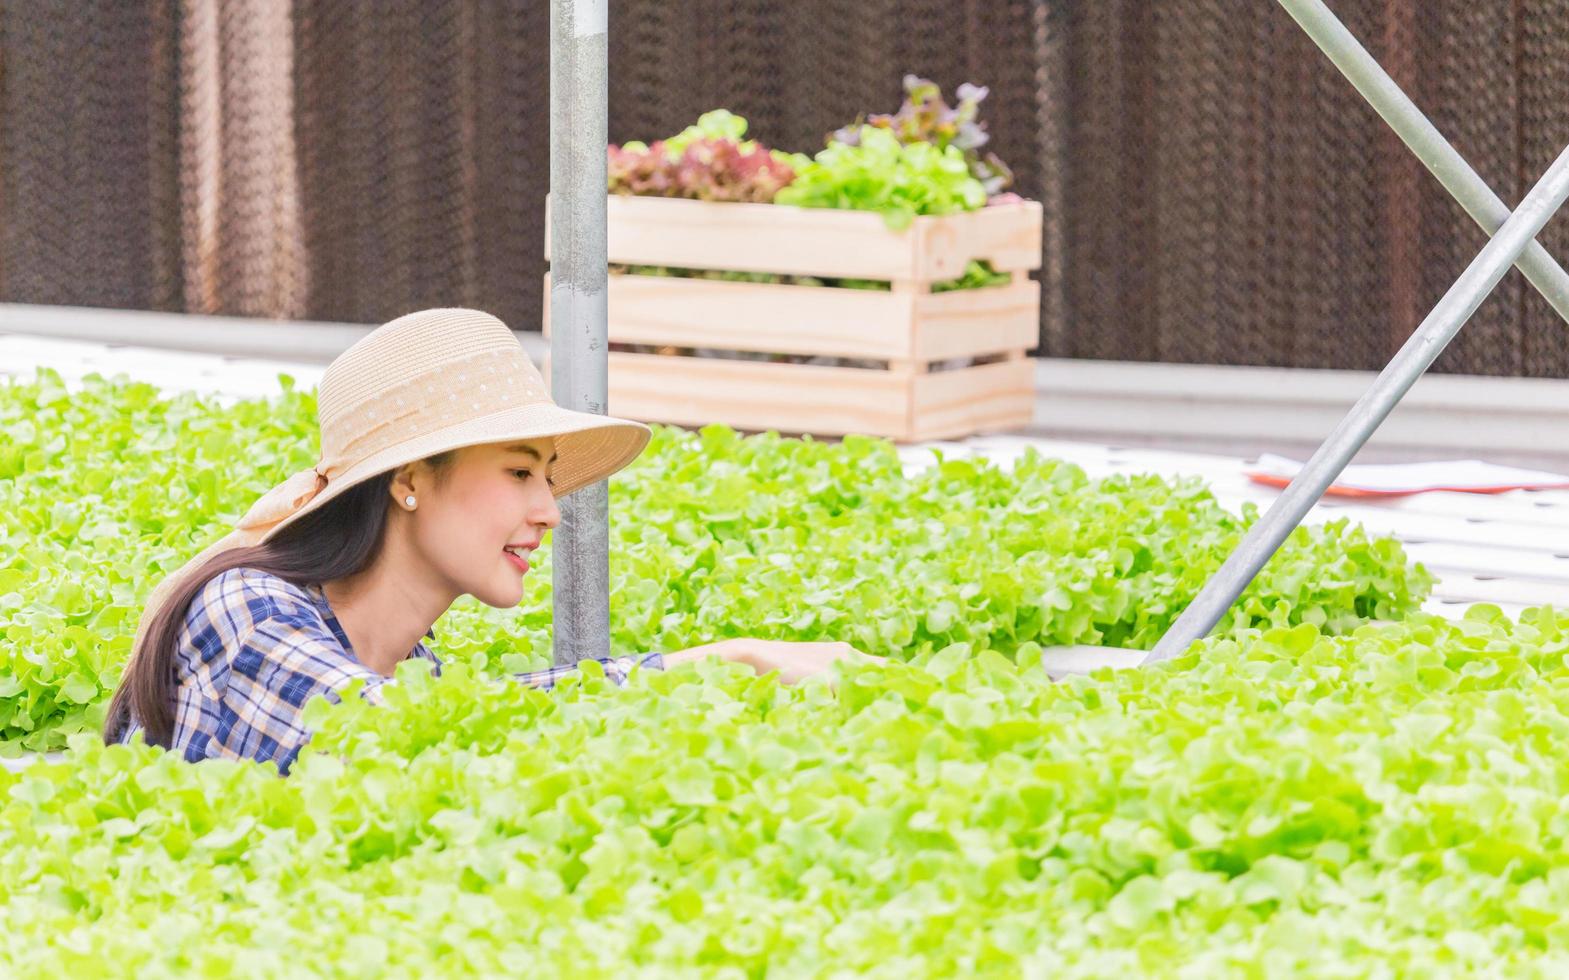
{"x": 713, "y": 535}
{"x": 1277, "y": 802}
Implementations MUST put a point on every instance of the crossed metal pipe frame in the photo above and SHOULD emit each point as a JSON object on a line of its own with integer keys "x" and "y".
{"x": 1512, "y": 242}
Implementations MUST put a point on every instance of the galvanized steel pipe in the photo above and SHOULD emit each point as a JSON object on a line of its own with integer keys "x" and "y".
{"x": 579, "y": 333}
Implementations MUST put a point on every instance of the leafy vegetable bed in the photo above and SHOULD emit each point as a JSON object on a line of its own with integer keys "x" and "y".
{"x": 1388, "y": 803}
{"x": 713, "y": 535}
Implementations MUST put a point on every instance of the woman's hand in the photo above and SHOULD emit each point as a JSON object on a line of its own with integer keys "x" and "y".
{"x": 793, "y": 661}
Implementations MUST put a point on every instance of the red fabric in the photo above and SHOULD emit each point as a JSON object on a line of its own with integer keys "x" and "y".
{"x": 1336, "y": 490}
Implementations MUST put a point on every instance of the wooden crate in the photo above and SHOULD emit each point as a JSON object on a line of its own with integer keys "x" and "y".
{"x": 910, "y": 329}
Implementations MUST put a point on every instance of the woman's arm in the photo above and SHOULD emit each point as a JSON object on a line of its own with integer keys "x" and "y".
{"x": 793, "y": 661}
{"x": 616, "y": 668}
{"x": 724, "y": 650}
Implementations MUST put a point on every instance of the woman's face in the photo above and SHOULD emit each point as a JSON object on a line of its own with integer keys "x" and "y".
{"x": 496, "y": 495}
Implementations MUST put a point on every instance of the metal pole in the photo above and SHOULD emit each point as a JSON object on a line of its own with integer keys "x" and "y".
{"x": 1424, "y": 139}
{"x": 1440, "y": 327}
{"x": 579, "y": 335}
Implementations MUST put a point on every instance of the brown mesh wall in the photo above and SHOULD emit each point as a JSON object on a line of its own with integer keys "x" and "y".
{"x": 1214, "y": 190}
{"x": 1468, "y": 55}
{"x": 89, "y": 194}
{"x": 1543, "y": 54}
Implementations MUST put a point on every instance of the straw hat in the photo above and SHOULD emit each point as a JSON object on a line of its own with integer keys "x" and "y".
{"x": 420, "y": 385}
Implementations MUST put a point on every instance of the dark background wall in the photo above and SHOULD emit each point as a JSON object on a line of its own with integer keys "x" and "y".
{"x": 1214, "y": 191}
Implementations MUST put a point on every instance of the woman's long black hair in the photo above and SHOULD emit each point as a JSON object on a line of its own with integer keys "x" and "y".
{"x": 340, "y": 539}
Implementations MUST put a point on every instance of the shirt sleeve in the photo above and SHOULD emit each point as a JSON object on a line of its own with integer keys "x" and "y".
{"x": 616, "y": 668}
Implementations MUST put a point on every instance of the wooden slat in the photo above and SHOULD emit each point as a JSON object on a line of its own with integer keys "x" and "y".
{"x": 756, "y": 396}
{"x": 754, "y": 238}
{"x": 967, "y": 322}
{"x": 820, "y": 321}
{"x": 816, "y": 241}
{"x": 974, "y": 399}
{"x": 804, "y": 320}
{"x": 1008, "y": 236}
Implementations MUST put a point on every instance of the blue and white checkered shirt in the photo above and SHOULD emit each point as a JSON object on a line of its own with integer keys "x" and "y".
{"x": 255, "y": 648}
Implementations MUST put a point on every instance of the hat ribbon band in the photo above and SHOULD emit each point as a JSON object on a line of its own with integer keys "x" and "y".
{"x": 285, "y": 499}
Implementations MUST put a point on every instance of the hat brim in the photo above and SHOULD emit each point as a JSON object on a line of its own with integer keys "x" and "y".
{"x": 589, "y": 448}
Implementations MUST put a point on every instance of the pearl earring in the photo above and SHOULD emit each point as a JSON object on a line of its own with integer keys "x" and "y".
{"x": 409, "y": 500}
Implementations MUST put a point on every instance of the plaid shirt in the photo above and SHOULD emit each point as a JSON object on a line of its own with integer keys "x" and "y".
{"x": 255, "y": 648}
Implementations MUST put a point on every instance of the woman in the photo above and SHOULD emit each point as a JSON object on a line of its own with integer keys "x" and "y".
{"x": 442, "y": 458}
